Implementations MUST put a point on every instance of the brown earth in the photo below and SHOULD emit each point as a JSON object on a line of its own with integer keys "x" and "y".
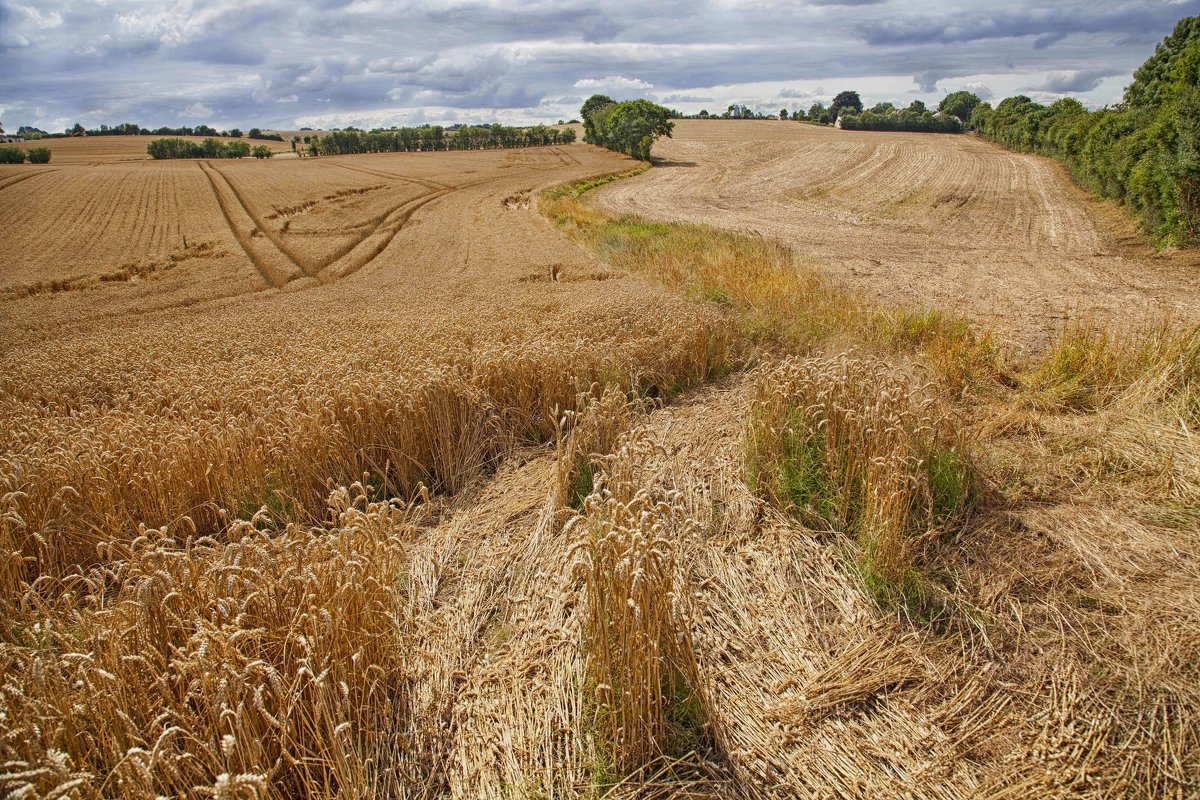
{"x": 953, "y": 222}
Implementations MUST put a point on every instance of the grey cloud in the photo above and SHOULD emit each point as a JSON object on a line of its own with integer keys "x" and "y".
{"x": 1069, "y": 82}
{"x": 1056, "y": 23}
{"x": 685, "y": 98}
{"x": 269, "y": 62}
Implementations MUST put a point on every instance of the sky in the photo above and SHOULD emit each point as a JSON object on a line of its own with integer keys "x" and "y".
{"x": 286, "y": 64}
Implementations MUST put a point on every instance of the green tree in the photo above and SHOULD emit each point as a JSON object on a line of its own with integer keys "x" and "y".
{"x": 918, "y": 107}
{"x": 262, "y": 151}
{"x": 848, "y": 102}
{"x": 817, "y": 112}
{"x": 236, "y": 133}
{"x": 632, "y": 127}
{"x": 38, "y": 155}
{"x": 960, "y": 104}
{"x": 590, "y": 107}
{"x": 783, "y": 113}
{"x": 883, "y": 108}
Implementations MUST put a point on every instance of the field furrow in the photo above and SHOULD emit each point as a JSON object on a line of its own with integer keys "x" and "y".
{"x": 275, "y": 266}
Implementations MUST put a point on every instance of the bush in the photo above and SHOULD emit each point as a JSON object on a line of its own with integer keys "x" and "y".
{"x": 38, "y": 155}
{"x": 12, "y": 155}
{"x": 262, "y": 151}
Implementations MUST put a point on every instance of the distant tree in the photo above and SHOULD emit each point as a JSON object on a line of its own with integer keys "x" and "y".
{"x": 917, "y": 107}
{"x": 882, "y": 108}
{"x": 255, "y": 133}
{"x": 75, "y": 130}
{"x": 589, "y": 109}
{"x": 236, "y": 133}
{"x": 817, "y": 112}
{"x": 960, "y": 104}
{"x": 846, "y": 101}
{"x": 703, "y": 113}
{"x": 783, "y": 114}
{"x": 262, "y": 151}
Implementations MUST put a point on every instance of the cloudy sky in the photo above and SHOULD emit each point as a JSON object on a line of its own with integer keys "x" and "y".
{"x": 286, "y": 64}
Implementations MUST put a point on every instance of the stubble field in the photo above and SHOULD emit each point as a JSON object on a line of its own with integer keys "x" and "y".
{"x": 953, "y": 222}
{"x": 355, "y": 476}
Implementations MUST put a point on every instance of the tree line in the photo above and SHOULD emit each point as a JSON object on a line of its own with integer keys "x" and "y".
{"x": 209, "y": 148}
{"x": 1144, "y": 151}
{"x": 434, "y": 137}
{"x": 133, "y": 129}
{"x": 629, "y": 127}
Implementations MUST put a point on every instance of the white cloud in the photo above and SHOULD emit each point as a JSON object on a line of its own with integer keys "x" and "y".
{"x": 613, "y": 82}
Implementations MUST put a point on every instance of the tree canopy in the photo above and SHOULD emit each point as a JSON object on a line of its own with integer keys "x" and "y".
{"x": 960, "y": 104}
{"x": 630, "y": 127}
{"x": 847, "y": 101}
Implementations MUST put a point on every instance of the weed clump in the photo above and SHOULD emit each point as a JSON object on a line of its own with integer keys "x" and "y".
{"x": 846, "y": 446}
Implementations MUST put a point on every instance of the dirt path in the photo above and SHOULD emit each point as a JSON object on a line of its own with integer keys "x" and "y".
{"x": 949, "y": 221}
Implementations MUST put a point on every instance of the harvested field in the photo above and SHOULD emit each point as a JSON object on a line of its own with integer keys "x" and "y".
{"x": 357, "y": 477}
{"x": 951, "y": 222}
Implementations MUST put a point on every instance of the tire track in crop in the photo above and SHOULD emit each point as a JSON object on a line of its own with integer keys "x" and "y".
{"x": 380, "y": 236}
{"x": 272, "y": 264}
{"x": 306, "y": 265}
{"x": 15, "y": 179}
{"x": 566, "y": 159}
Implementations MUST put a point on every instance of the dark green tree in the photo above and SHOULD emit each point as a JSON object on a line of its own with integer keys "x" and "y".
{"x": 845, "y": 102}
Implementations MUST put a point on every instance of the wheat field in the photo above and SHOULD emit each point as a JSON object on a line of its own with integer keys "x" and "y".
{"x": 430, "y": 475}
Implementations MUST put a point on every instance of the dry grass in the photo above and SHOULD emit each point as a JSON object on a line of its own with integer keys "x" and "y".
{"x": 778, "y": 298}
{"x": 646, "y": 696}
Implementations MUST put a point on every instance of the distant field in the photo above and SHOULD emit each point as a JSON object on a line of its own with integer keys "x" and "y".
{"x": 952, "y": 222}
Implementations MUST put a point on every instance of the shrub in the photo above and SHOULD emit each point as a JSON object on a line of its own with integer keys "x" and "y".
{"x": 39, "y": 155}
{"x": 262, "y": 151}
{"x": 12, "y": 155}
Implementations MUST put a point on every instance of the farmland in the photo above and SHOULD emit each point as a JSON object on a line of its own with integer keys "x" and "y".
{"x": 950, "y": 222}
{"x": 427, "y": 474}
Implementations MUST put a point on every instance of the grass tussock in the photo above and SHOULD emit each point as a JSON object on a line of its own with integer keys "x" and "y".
{"x": 269, "y": 664}
{"x": 1088, "y": 367}
{"x": 645, "y": 693}
{"x": 846, "y": 446}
